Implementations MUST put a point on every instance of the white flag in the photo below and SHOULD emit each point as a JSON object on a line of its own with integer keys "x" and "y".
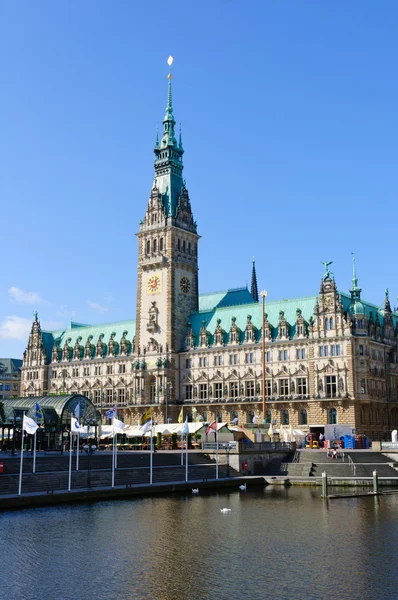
{"x": 74, "y": 425}
{"x": 185, "y": 427}
{"x": 77, "y": 411}
{"x": 144, "y": 428}
{"x": 118, "y": 426}
{"x": 29, "y": 425}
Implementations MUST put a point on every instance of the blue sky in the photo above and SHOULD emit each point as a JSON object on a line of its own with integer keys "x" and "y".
{"x": 289, "y": 121}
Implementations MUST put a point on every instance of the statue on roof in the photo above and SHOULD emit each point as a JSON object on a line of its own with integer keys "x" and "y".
{"x": 326, "y": 265}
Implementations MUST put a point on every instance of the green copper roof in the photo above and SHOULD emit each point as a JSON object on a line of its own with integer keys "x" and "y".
{"x": 77, "y": 330}
{"x": 240, "y": 312}
{"x": 225, "y": 298}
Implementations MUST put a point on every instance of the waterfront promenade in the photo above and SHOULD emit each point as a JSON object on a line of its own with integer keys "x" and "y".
{"x": 93, "y": 480}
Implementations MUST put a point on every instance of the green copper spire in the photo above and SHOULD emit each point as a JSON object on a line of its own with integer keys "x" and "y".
{"x": 356, "y": 306}
{"x": 355, "y": 289}
{"x": 168, "y": 161}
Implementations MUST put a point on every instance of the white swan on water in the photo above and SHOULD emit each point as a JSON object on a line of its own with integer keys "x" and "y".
{"x": 243, "y": 487}
{"x": 225, "y": 510}
{"x": 195, "y": 490}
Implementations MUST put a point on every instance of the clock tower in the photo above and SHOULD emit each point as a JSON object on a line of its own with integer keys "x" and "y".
{"x": 167, "y": 287}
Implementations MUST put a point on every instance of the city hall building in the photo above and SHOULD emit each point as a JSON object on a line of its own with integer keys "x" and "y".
{"x": 329, "y": 358}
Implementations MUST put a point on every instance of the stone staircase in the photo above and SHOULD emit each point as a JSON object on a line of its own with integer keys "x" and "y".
{"x": 312, "y": 463}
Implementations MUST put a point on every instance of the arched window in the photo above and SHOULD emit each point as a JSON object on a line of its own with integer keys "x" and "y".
{"x": 189, "y": 417}
{"x": 219, "y": 417}
{"x": 326, "y": 323}
{"x": 148, "y": 247}
{"x": 154, "y": 245}
{"x": 285, "y": 417}
{"x": 234, "y": 417}
{"x": 178, "y": 244}
{"x": 161, "y": 244}
{"x": 183, "y": 245}
{"x": 189, "y": 247}
{"x": 331, "y": 324}
{"x": 332, "y": 416}
{"x": 250, "y": 416}
{"x": 268, "y": 416}
{"x": 303, "y": 417}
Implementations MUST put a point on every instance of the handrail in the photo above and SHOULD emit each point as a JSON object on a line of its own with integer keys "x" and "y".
{"x": 351, "y": 464}
{"x": 296, "y": 457}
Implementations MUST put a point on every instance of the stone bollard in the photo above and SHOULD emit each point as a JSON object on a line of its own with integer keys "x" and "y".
{"x": 375, "y": 482}
{"x": 324, "y": 485}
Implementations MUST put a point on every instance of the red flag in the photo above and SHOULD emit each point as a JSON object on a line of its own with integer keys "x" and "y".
{"x": 212, "y": 428}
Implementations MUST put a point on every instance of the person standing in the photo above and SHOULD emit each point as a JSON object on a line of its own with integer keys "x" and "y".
{"x": 321, "y": 440}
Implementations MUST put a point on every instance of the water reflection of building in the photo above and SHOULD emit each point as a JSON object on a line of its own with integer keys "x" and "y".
{"x": 329, "y": 358}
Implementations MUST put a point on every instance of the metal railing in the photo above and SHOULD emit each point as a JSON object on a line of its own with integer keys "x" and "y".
{"x": 351, "y": 464}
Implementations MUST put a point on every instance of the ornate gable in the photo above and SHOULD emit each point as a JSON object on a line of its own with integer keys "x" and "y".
{"x": 250, "y": 330}
{"x": 184, "y": 217}
{"x": 55, "y": 353}
{"x": 189, "y": 338}
{"x": 67, "y": 350}
{"x": 204, "y": 336}
{"x": 219, "y": 334}
{"x": 234, "y": 332}
{"x": 100, "y": 347}
{"x": 77, "y": 349}
{"x": 89, "y": 348}
{"x": 125, "y": 345}
{"x": 267, "y": 328}
{"x": 300, "y": 325}
{"x": 283, "y": 327}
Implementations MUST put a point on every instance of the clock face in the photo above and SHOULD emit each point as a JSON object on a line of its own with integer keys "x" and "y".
{"x": 153, "y": 284}
{"x": 185, "y": 285}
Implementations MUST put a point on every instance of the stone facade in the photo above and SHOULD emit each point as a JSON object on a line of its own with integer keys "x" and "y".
{"x": 328, "y": 358}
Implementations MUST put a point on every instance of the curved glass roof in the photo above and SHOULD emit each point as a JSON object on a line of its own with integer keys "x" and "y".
{"x": 56, "y": 410}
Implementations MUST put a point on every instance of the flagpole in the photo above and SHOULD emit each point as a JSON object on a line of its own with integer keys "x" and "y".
{"x": 20, "y": 467}
{"x": 113, "y": 461}
{"x": 216, "y": 454}
{"x": 151, "y": 460}
{"x": 70, "y": 458}
{"x": 34, "y": 453}
{"x": 77, "y": 450}
{"x": 186, "y": 458}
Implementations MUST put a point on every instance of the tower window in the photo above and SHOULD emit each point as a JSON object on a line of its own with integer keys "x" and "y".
{"x": 154, "y": 245}
{"x": 148, "y": 247}
{"x": 189, "y": 247}
{"x": 178, "y": 244}
{"x": 183, "y": 245}
{"x": 161, "y": 244}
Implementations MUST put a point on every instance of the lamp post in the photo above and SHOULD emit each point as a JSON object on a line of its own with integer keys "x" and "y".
{"x": 263, "y": 295}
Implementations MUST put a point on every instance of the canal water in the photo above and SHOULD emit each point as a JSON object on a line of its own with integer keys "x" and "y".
{"x": 276, "y": 543}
